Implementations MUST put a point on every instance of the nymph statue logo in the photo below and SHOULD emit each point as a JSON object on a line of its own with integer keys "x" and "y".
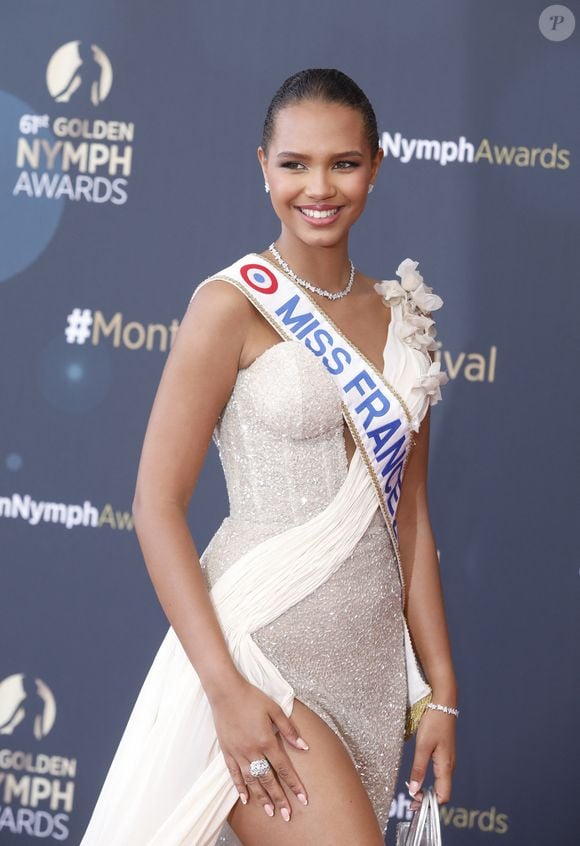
{"x": 79, "y": 73}
{"x": 27, "y": 707}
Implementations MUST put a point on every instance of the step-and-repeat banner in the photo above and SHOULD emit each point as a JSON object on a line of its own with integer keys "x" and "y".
{"x": 128, "y": 173}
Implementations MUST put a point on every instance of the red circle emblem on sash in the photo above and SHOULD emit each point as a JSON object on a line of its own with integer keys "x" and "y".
{"x": 259, "y": 278}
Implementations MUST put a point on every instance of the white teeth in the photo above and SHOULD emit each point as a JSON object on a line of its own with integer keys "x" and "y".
{"x": 318, "y": 214}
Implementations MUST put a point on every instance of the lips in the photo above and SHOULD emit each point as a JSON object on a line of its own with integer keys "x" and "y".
{"x": 319, "y": 214}
{"x": 315, "y": 214}
{"x": 319, "y": 206}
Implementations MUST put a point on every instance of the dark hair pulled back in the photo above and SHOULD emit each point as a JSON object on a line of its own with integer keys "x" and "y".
{"x": 326, "y": 84}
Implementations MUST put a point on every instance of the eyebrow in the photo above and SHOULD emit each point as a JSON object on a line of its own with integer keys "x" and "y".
{"x": 304, "y": 156}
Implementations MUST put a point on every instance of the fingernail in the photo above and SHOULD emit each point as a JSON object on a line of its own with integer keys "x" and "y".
{"x": 244, "y": 798}
{"x": 269, "y": 810}
{"x": 285, "y": 814}
{"x": 302, "y": 743}
{"x": 302, "y": 798}
{"x": 414, "y": 787}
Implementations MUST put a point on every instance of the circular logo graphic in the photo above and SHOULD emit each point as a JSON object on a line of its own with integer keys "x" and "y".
{"x": 27, "y": 707}
{"x": 79, "y": 67}
{"x": 259, "y": 278}
{"x": 557, "y": 23}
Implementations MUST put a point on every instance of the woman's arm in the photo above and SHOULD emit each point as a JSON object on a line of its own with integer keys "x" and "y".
{"x": 425, "y": 614}
{"x": 424, "y": 606}
{"x": 197, "y": 380}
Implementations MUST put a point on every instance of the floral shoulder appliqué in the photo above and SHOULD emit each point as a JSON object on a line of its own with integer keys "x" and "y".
{"x": 417, "y": 327}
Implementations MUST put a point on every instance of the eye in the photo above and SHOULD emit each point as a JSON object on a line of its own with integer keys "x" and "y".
{"x": 290, "y": 165}
{"x": 345, "y": 162}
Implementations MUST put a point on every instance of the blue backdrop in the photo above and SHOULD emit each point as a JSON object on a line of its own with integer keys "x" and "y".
{"x": 128, "y": 173}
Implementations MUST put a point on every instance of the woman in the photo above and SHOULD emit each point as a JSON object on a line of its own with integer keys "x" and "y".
{"x": 276, "y": 707}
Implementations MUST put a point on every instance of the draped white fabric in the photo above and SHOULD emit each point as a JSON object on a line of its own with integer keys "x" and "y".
{"x": 135, "y": 807}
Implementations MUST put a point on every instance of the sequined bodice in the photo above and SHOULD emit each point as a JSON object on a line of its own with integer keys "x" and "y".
{"x": 280, "y": 438}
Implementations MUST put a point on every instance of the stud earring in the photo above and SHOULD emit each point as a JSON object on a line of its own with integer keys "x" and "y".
{"x": 371, "y": 186}
{"x": 266, "y": 188}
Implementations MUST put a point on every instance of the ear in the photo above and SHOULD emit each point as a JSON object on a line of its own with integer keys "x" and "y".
{"x": 263, "y": 160}
{"x": 376, "y": 163}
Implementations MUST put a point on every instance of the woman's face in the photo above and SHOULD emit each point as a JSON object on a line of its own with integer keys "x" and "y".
{"x": 319, "y": 167}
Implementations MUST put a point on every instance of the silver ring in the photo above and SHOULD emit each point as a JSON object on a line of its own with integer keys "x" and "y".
{"x": 259, "y": 767}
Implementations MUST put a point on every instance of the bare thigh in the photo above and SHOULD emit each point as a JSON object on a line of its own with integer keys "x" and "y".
{"x": 339, "y": 811}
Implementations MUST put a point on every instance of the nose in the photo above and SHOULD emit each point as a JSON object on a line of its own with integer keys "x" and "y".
{"x": 319, "y": 185}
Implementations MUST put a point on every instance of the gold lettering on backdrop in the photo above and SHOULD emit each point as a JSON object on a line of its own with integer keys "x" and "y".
{"x": 111, "y": 130}
{"x": 492, "y": 358}
{"x": 504, "y": 155}
{"x": 484, "y": 151}
{"x": 124, "y": 520}
{"x": 461, "y": 818}
{"x": 475, "y": 370}
{"x": 474, "y": 367}
{"x": 488, "y": 821}
{"x": 451, "y": 367}
{"x": 163, "y": 332}
{"x": 137, "y": 328}
{"x": 53, "y": 765}
{"x": 133, "y": 335}
{"x": 115, "y": 519}
{"x": 114, "y": 325}
{"x": 107, "y": 517}
{"x": 548, "y": 157}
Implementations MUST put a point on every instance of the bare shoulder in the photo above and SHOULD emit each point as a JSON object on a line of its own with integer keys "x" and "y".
{"x": 219, "y": 298}
{"x": 367, "y": 283}
{"x": 216, "y": 312}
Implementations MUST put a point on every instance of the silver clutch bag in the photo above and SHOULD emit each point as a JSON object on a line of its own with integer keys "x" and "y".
{"x": 425, "y": 827}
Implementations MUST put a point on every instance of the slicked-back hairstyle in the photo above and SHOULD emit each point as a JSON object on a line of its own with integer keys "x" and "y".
{"x": 326, "y": 84}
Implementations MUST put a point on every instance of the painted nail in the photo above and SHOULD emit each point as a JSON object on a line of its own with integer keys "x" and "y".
{"x": 301, "y": 743}
{"x": 414, "y": 787}
{"x": 244, "y": 798}
{"x": 302, "y": 798}
{"x": 269, "y": 810}
{"x": 285, "y": 813}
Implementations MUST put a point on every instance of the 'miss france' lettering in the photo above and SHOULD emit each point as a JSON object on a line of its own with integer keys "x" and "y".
{"x": 388, "y": 451}
{"x": 302, "y": 325}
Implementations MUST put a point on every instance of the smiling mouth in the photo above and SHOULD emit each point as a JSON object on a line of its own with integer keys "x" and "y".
{"x": 319, "y": 215}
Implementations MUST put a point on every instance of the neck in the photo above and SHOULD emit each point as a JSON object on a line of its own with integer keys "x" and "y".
{"x": 327, "y": 267}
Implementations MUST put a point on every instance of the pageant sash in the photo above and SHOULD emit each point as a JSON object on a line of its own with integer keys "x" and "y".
{"x": 376, "y": 415}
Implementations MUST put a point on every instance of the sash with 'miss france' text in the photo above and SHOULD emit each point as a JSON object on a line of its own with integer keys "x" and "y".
{"x": 377, "y": 418}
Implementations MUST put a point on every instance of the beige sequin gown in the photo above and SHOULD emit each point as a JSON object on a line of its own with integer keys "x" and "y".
{"x": 335, "y": 635}
{"x": 281, "y": 443}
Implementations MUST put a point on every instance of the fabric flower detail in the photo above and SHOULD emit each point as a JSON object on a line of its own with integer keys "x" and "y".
{"x": 391, "y": 291}
{"x": 431, "y": 381}
{"x": 417, "y": 300}
{"x": 418, "y": 331}
{"x": 425, "y": 299}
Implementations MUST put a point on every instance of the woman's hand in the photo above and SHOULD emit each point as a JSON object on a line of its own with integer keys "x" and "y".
{"x": 435, "y": 739}
{"x": 243, "y": 719}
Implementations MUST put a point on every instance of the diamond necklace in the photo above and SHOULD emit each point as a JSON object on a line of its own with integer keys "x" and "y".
{"x": 331, "y": 295}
